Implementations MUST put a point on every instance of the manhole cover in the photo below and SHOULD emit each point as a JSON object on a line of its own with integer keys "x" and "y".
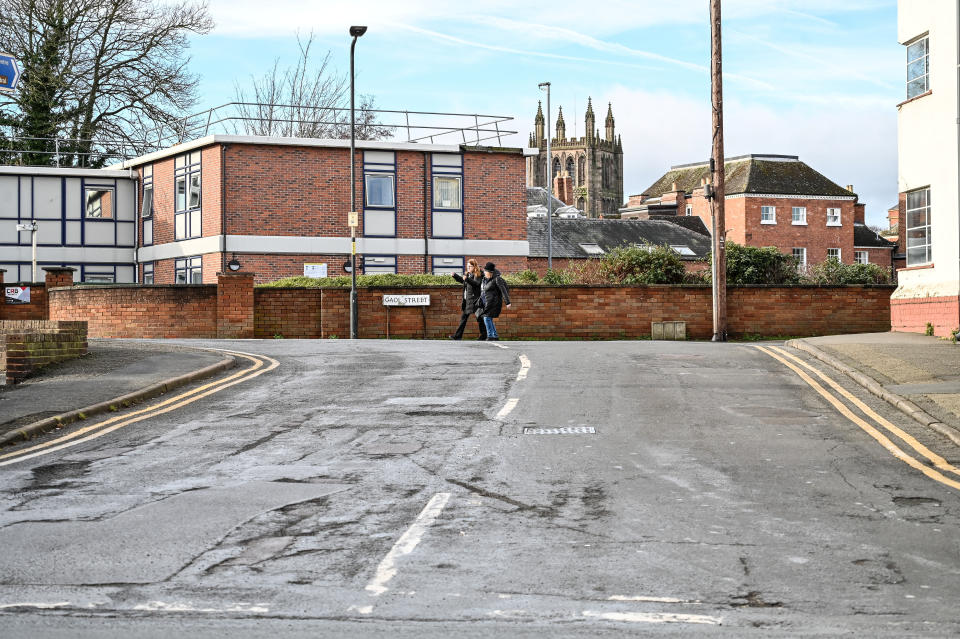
{"x": 571, "y": 430}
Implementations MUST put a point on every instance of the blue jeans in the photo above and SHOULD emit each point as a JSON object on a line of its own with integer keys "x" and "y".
{"x": 491, "y": 329}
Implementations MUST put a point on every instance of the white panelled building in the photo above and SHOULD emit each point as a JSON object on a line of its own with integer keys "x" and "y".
{"x": 86, "y": 218}
{"x": 929, "y": 167}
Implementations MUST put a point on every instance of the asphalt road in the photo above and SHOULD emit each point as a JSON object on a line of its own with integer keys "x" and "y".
{"x": 388, "y": 489}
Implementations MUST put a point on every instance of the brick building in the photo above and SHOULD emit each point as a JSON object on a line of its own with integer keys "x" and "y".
{"x": 275, "y": 205}
{"x": 771, "y": 200}
{"x": 587, "y": 171}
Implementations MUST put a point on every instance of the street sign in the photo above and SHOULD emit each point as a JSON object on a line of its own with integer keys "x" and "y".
{"x": 9, "y": 72}
{"x": 353, "y": 219}
{"x": 406, "y": 300}
{"x": 314, "y": 269}
{"x": 17, "y": 294}
{"x": 28, "y": 226}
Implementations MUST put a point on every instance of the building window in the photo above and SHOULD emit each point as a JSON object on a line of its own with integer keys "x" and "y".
{"x": 689, "y": 210}
{"x": 446, "y": 192}
{"x": 833, "y": 254}
{"x": 800, "y": 254}
{"x": 592, "y": 249}
{"x": 379, "y": 190}
{"x": 148, "y": 272}
{"x": 918, "y": 67}
{"x": 379, "y": 264}
{"x": 447, "y": 265}
{"x": 861, "y": 257}
{"x": 187, "y": 220}
{"x": 556, "y": 168}
{"x": 189, "y": 270}
{"x": 799, "y": 215}
{"x": 99, "y": 203}
{"x": 833, "y": 217}
{"x": 918, "y": 228}
{"x": 581, "y": 171}
{"x": 146, "y": 211}
{"x": 768, "y": 215}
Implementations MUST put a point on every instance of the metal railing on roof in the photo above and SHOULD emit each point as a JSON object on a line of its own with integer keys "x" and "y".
{"x": 254, "y": 118}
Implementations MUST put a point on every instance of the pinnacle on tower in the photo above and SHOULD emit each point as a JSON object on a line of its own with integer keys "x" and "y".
{"x": 589, "y": 119}
{"x": 561, "y": 126}
{"x": 609, "y": 124}
{"x": 538, "y": 126}
{"x": 539, "y": 118}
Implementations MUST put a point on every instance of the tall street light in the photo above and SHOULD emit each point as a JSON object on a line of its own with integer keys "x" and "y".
{"x": 546, "y": 85}
{"x": 353, "y": 220}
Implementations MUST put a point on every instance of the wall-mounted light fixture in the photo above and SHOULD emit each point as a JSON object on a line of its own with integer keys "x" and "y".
{"x": 233, "y": 264}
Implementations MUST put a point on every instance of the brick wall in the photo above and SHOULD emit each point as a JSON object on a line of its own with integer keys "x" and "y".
{"x": 182, "y": 311}
{"x": 912, "y": 315}
{"x": 26, "y": 346}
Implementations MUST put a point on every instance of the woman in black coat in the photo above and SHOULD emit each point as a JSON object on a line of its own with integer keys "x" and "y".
{"x": 494, "y": 294}
{"x": 471, "y": 281}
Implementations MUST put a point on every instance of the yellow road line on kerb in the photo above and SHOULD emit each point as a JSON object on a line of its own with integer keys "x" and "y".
{"x": 935, "y": 459}
{"x": 867, "y": 428}
{"x": 115, "y": 423}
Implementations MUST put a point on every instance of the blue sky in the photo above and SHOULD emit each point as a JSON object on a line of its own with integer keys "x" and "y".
{"x": 814, "y": 78}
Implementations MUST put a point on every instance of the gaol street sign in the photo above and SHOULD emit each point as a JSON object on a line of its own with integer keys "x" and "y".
{"x": 9, "y": 72}
{"x": 406, "y": 300}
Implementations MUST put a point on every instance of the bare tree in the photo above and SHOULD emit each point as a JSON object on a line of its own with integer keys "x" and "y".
{"x": 304, "y": 101}
{"x": 107, "y": 73}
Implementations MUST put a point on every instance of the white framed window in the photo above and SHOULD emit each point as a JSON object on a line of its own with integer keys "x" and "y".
{"x": 446, "y": 192}
{"x": 99, "y": 203}
{"x": 689, "y": 210}
{"x": 592, "y": 249}
{"x": 918, "y": 228}
{"x": 799, "y": 215}
{"x": 800, "y": 254}
{"x": 918, "y": 67}
{"x": 768, "y": 215}
{"x": 379, "y": 264}
{"x": 861, "y": 257}
{"x": 148, "y": 272}
{"x": 188, "y": 270}
{"x": 833, "y": 254}
{"x": 833, "y": 217}
{"x": 378, "y": 188}
{"x": 187, "y": 196}
{"x": 682, "y": 249}
{"x": 448, "y": 265}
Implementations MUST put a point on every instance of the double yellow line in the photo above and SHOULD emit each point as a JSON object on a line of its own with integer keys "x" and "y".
{"x": 260, "y": 364}
{"x": 938, "y": 462}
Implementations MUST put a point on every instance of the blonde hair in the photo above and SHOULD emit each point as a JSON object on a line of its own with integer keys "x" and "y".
{"x": 474, "y": 267}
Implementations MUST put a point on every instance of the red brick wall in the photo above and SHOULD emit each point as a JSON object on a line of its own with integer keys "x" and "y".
{"x": 816, "y": 236}
{"x": 26, "y": 346}
{"x": 139, "y": 311}
{"x": 912, "y": 315}
{"x": 235, "y": 305}
{"x": 495, "y": 196}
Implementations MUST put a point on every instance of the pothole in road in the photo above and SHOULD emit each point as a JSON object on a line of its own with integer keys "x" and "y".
{"x": 51, "y": 474}
{"x": 754, "y": 599}
{"x": 916, "y": 501}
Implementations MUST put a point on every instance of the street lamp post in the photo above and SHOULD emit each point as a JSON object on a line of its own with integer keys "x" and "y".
{"x": 356, "y": 32}
{"x": 549, "y": 184}
{"x": 33, "y": 228}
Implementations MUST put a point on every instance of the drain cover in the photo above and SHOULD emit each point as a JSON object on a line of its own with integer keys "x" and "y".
{"x": 572, "y": 430}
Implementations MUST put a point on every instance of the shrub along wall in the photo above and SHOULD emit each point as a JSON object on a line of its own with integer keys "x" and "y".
{"x": 538, "y": 312}
{"x": 26, "y": 346}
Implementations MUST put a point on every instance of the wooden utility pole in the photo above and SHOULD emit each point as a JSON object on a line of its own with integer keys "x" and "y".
{"x": 719, "y": 190}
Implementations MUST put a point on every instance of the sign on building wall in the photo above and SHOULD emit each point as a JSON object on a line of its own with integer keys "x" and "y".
{"x": 17, "y": 294}
{"x": 406, "y": 300}
{"x": 315, "y": 270}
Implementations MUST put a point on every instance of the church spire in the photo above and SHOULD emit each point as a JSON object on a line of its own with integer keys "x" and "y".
{"x": 538, "y": 125}
{"x": 609, "y": 123}
{"x": 561, "y": 127}
{"x": 589, "y": 120}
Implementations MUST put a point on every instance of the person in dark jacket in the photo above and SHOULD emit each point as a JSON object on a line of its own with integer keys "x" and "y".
{"x": 494, "y": 294}
{"x": 471, "y": 281}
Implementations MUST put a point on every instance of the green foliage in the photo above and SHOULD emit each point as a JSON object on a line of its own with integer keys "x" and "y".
{"x": 648, "y": 265}
{"x": 954, "y": 335}
{"x": 523, "y": 277}
{"x": 558, "y": 278}
{"x": 363, "y": 281}
{"x": 833, "y": 273}
{"x": 929, "y": 331}
{"x": 753, "y": 265}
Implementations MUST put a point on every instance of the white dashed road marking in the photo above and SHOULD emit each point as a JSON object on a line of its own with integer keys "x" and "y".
{"x": 509, "y": 406}
{"x": 652, "y": 617}
{"x": 524, "y": 367}
{"x": 405, "y": 545}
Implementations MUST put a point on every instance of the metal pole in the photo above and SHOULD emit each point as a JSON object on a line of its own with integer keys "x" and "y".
{"x": 353, "y": 205}
{"x": 719, "y": 190}
{"x": 549, "y": 186}
{"x": 33, "y": 235}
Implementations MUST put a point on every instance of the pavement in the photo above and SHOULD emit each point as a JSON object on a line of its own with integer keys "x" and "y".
{"x": 918, "y": 374}
{"x": 114, "y": 373}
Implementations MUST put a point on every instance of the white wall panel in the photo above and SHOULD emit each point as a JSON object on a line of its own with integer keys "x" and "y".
{"x": 46, "y": 198}
{"x": 8, "y": 196}
{"x": 379, "y": 223}
{"x": 26, "y": 201}
{"x": 98, "y": 233}
{"x": 125, "y": 234}
{"x": 73, "y": 232}
{"x": 74, "y": 199}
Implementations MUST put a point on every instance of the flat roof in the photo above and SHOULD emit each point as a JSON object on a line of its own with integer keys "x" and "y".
{"x": 54, "y": 171}
{"x": 315, "y": 142}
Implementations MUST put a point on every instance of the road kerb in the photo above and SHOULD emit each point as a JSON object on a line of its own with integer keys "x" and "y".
{"x": 904, "y": 405}
{"x": 149, "y": 392}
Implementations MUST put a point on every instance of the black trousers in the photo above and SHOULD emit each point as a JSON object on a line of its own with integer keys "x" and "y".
{"x": 463, "y": 324}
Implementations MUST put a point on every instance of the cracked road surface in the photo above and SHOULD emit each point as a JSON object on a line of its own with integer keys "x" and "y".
{"x": 387, "y": 489}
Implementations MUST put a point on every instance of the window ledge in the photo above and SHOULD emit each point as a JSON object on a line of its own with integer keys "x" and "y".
{"x": 768, "y": 222}
{"x": 915, "y": 268}
{"x": 799, "y": 223}
{"x": 916, "y": 97}
{"x": 829, "y": 224}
